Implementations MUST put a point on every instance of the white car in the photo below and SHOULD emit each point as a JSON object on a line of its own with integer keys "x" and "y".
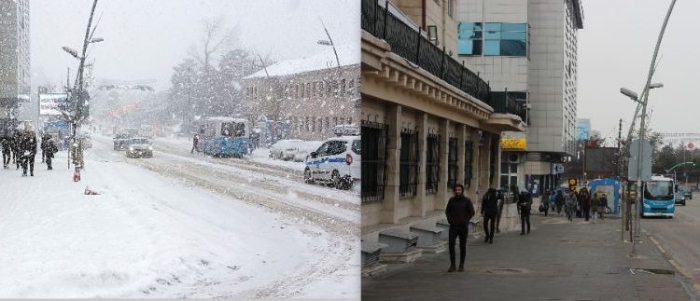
{"x": 285, "y": 149}
{"x": 305, "y": 149}
{"x": 336, "y": 162}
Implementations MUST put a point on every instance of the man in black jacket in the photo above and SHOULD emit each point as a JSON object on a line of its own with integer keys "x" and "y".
{"x": 51, "y": 149}
{"x": 27, "y": 147}
{"x": 525, "y": 205}
{"x": 6, "y": 144}
{"x": 459, "y": 212}
{"x": 489, "y": 210}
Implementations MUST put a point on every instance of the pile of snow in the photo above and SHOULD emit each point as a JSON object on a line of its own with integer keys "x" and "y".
{"x": 347, "y": 55}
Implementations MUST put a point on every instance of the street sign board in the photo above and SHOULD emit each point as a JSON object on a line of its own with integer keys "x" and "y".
{"x": 691, "y": 146}
{"x": 634, "y": 160}
{"x": 557, "y": 168}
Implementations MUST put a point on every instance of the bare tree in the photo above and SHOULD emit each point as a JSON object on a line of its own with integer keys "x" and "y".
{"x": 216, "y": 39}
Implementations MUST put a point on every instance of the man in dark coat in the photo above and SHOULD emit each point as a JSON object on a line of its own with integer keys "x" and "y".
{"x": 6, "y": 145}
{"x": 489, "y": 210}
{"x": 459, "y": 212}
{"x": 27, "y": 147}
{"x": 524, "y": 206}
{"x": 584, "y": 197}
{"x": 44, "y": 140}
{"x": 195, "y": 143}
{"x": 559, "y": 201}
{"x": 51, "y": 150}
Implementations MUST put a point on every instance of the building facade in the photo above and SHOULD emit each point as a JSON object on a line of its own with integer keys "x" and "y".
{"x": 528, "y": 49}
{"x": 427, "y": 122}
{"x": 311, "y": 95}
{"x": 15, "y": 74}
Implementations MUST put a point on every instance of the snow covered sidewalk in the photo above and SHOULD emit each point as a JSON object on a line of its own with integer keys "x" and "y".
{"x": 149, "y": 236}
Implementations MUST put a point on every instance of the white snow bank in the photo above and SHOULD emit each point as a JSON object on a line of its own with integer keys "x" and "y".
{"x": 347, "y": 55}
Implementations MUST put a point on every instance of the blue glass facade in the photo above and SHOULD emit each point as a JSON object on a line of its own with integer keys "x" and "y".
{"x": 492, "y": 39}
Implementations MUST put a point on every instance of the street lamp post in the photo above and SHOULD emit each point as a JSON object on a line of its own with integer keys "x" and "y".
{"x": 642, "y": 133}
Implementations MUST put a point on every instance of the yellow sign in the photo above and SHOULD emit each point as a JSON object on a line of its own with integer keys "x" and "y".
{"x": 514, "y": 144}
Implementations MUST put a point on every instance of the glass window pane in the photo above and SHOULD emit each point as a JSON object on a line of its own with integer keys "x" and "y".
{"x": 504, "y": 181}
{"x": 492, "y": 27}
{"x": 513, "y": 48}
{"x": 504, "y": 168}
{"x": 514, "y": 168}
{"x": 513, "y": 180}
{"x": 513, "y": 36}
{"x": 492, "y": 47}
{"x": 492, "y": 35}
{"x": 514, "y": 27}
{"x": 469, "y": 47}
{"x": 469, "y": 26}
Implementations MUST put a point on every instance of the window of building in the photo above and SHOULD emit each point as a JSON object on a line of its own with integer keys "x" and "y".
{"x": 307, "y": 124}
{"x": 452, "y": 165}
{"x": 432, "y": 164}
{"x": 335, "y": 121}
{"x": 492, "y": 39}
{"x": 308, "y": 90}
{"x": 509, "y": 175}
{"x": 408, "y": 171}
{"x": 320, "y": 89}
{"x": 351, "y": 87}
{"x": 468, "y": 163}
{"x": 342, "y": 87}
{"x": 313, "y": 124}
{"x": 374, "y": 153}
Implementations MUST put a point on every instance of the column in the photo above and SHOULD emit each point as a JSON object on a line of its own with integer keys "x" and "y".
{"x": 442, "y": 194}
{"x": 389, "y": 213}
{"x": 419, "y": 200}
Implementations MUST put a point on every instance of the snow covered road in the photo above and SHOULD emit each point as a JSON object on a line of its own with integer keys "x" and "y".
{"x": 174, "y": 226}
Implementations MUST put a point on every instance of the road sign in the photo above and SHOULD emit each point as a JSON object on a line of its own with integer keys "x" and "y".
{"x": 557, "y": 168}
{"x": 691, "y": 145}
{"x": 572, "y": 184}
{"x": 634, "y": 160}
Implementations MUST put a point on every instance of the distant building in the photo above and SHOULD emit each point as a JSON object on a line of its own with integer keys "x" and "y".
{"x": 583, "y": 129}
{"x": 312, "y": 95}
{"x": 14, "y": 56}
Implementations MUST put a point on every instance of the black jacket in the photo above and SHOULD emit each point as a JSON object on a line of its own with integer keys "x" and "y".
{"x": 28, "y": 144}
{"x": 459, "y": 210}
{"x": 489, "y": 203}
{"x": 525, "y": 202}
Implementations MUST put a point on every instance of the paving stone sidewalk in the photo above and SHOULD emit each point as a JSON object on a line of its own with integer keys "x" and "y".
{"x": 558, "y": 260}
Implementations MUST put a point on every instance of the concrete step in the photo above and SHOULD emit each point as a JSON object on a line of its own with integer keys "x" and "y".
{"x": 370, "y": 252}
{"x": 427, "y": 234}
{"x": 397, "y": 241}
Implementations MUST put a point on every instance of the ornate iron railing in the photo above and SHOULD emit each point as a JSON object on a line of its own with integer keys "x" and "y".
{"x": 414, "y": 47}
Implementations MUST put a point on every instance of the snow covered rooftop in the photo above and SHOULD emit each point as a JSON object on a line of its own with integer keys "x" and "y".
{"x": 347, "y": 54}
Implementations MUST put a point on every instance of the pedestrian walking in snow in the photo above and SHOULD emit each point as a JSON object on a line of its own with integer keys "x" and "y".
{"x": 16, "y": 158}
{"x": 489, "y": 211}
{"x": 195, "y": 143}
{"x": 500, "y": 197}
{"x": 44, "y": 140}
{"x": 51, "y": 150}
{"x": 595, "y": 207}
{"x": 6, "y": 145}
{"x": 584, "y": 198}
{"x": 571, "y": 202}
{"x": 525, "y": 206}
{"x": 459, "y": 212}
{"x": 559, "y": 200}
{"x": 28, "y": 148}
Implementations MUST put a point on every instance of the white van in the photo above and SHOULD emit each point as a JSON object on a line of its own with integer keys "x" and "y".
{"x": 336, "y": 162}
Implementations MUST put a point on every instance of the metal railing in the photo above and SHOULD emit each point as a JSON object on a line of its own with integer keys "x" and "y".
{"x": 502, "y": 102}
{"x": 414, "y": 47}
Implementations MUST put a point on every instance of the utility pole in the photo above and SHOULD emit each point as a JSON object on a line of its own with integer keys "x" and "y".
{"x": 623, "y": 198}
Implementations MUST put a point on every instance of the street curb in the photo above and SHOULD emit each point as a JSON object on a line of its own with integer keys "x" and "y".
{"x": 676, "y": 266}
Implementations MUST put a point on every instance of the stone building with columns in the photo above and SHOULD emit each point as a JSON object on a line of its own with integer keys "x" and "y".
{"x": 427, "y": 123}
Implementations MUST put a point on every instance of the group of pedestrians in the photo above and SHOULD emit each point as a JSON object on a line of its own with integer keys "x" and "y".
{"x": 460, "y": 211}
{"x": 580, "y": 205}
{"x": 21, "y": 149}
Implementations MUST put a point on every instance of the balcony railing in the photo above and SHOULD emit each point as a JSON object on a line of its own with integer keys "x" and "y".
{"x": 413, "y": 46}
{"x": 503, "y": 102}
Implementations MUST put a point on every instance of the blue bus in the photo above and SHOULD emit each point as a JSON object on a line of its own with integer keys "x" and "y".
{"x": 659, "y": 197}
{"x": 224, "y": 136}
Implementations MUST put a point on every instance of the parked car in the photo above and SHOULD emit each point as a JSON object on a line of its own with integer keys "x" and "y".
{"x": 139, "y": 148}
{"x": 285, "y": 149}
{"x": 680, "y": 198}
{"x": 687, "y": 193}
{"x": 336, "y": 162}
{"x": 305, "y": 149}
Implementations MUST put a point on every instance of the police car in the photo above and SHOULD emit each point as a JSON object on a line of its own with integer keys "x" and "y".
{"x": 337, "y": 161}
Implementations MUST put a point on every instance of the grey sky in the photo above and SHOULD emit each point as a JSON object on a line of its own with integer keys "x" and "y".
{"x": 615, "y": 50}
{"x": 144, "y": 39}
